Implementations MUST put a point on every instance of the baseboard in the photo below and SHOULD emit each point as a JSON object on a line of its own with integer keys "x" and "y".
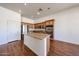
{"x": 66, "y": 42}
{"x": 3, "y": 43}
{"x": 13, "y": 41}
{"x": 9, "y": 42}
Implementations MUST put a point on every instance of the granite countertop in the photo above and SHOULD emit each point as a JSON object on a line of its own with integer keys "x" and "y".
{"x": 38, "y": 35}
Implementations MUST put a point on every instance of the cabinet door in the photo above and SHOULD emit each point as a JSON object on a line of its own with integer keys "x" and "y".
{"x": 14, "y": 30}
{"x": 51, "y": 22}
{"x": 3, "y": 31}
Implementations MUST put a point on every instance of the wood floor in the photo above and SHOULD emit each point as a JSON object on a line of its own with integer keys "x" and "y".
{"x": 15, "y": 48}
{"x": 58, "y": 48}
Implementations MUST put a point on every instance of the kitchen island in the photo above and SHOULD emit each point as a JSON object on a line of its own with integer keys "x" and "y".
{"x": 38, "y": 42}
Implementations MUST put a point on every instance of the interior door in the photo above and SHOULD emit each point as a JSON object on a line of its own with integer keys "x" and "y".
{"x": 3, "y": 37}
{"x": 14, "y": 30}
{"x": 3, "y": 32}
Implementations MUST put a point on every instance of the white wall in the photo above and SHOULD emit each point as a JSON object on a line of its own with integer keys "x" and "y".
{"x": 27, "y": 20}
{"x": 10, "y": 25}
{"x": 66, "y": 26}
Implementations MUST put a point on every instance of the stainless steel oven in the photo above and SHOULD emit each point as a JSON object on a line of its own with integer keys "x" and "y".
{"x": 49, "y": 30}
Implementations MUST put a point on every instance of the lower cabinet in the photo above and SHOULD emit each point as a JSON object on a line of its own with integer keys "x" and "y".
{"x": 40, "y": 47}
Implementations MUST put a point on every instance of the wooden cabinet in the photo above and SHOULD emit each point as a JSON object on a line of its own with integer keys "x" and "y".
{"x": 31, "y": 25}
{"x": 41, "y": 25}
{"x": 50, "y": 22}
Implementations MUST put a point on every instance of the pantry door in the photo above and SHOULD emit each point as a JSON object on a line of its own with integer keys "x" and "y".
{"x": 14, "y": 30}
{"x": 3, "y": 31}
{"x": 3, "y": 37}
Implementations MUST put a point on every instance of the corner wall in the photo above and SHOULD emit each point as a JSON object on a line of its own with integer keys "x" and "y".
{"x": 66, "y": 26}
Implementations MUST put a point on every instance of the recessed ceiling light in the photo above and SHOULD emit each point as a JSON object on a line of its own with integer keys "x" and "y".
{"x": 25, "y": 4}
{"x": 20, "y": 11}
{"x": 38, "y": 13}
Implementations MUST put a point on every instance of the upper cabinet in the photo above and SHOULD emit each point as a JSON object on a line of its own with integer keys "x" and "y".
{"x": 42, "y": 25}
{"x": 50, "y": 22}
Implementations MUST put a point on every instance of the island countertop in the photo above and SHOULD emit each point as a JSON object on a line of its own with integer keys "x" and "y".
{"x": 38, "y": 35}
{"x": 38, "y": 42}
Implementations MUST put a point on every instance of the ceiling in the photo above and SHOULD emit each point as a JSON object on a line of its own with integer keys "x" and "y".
{"x": 31, "y": 9}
